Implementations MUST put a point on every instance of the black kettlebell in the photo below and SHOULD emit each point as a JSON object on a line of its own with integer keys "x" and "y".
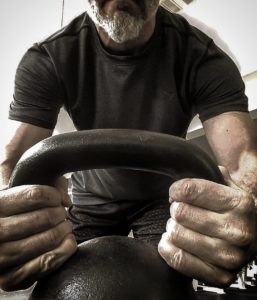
{"x": 114, "y": 268}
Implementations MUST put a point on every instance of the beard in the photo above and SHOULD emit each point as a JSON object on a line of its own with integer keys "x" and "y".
{"x": 123, "y": 25}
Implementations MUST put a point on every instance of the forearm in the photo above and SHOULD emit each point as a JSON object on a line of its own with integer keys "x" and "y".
{"x": 7, "y": 164}
{"x": 233, "y": 139}
{"x": 5, "y": 173}
{"x": 23, "y": 136}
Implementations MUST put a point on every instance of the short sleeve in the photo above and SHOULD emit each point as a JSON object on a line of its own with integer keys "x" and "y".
{"x": 37, "y": 97}
{"x": 218, "y": 86}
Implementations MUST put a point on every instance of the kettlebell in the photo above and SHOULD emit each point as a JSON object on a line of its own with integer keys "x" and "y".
{"x": 114, "y": 267}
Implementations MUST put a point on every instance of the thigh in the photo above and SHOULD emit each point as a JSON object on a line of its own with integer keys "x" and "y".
{"x": 149, "y": 223}
{"x": 93, "y": 221}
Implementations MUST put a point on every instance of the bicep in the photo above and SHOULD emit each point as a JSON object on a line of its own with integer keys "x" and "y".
{"x": 233, "y": 139}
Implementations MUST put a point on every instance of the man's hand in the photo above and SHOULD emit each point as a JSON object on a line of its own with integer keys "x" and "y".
{"x": 35, "y": 237}
{"x": 212, "y": 233}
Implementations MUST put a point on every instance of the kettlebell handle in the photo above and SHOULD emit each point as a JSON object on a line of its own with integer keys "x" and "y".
{"x": 113, "y": 148}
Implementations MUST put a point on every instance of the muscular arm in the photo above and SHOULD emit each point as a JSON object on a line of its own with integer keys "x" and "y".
{"x": 233, "y": 139}
{"x": 22, "y": 138}
{"x": 211, "y": 234}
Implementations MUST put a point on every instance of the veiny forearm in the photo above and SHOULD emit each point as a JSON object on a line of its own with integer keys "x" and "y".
{"x": 23, "y": 136}
{"x": 233, "y": 139}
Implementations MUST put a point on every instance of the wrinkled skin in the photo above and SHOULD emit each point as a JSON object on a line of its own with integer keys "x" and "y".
{"x": 211, "y": 234}
{"x": 35, "y": 237}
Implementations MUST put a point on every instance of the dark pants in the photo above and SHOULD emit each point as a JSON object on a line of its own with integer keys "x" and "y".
{"x": 146, "y": 219}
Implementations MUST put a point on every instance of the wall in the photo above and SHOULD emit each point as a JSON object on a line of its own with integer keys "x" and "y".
{"x": 21, "y": 24}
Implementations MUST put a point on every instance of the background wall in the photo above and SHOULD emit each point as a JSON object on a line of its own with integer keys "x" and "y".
{"x": 21, "y": 24}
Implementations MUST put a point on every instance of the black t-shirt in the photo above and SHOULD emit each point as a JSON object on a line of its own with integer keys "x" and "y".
{"x": 179, "y": 73}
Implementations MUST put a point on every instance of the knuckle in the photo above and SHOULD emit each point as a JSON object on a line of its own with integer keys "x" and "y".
{"x": 231, "y": 258}
{"x": 179, "y": 211}
{"x": 35, "y": 193}
{"x": 188, "y": 188}
{"x": 46, "y": 261}
{"x": 240, "y": 234}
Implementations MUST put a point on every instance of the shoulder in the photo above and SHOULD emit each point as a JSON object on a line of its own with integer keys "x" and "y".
{"x": 68, "y": 33}
{"x": 178, "y": 29}
{"x": 63, "y": 46}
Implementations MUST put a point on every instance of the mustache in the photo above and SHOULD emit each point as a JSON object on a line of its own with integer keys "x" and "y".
{"x": 125, "y": 6}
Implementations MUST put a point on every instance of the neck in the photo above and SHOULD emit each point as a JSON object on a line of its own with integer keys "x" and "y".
{"x": 131, "y": 46}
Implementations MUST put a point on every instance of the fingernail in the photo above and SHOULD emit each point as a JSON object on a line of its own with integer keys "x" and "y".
{"x": 48, "y": 261}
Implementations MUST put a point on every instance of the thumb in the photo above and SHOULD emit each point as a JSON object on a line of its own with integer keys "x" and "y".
{"x": 229, "y": 181}
{"x": 62, "y": 184}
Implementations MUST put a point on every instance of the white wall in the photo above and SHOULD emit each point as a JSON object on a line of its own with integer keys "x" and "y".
{"x": 22, "y": 22}
{"x": 232, "y": 24}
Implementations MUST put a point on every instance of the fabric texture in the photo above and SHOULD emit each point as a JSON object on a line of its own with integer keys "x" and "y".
{"x": 146, "y": 220}
{"x": 179, "y": 73}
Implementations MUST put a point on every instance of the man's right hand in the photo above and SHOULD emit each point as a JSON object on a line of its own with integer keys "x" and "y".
{"x": 35, "y": 237}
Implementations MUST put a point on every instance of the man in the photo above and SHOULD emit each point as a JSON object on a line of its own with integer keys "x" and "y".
{"x": 131, "y": 64}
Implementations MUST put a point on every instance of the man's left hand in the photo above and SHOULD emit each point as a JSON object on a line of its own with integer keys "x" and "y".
{"x": 212, "y": 232}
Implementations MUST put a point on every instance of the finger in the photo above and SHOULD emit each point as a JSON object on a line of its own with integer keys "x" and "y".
{"x": 19, "y": 252}
{"x": 210, "y": 250}
{"x": 27, "y": 198}
{"x": 237, "y": 231}
{"x": 25, "y": 275}
{"x": 62, "y": 185}
{"x": 23, "y": 225}
{"x": 205, "y": 194}
{"x": 192, "y": 266}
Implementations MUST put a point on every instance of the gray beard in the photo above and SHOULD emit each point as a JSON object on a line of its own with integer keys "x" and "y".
{"x": 121, "y": 28}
